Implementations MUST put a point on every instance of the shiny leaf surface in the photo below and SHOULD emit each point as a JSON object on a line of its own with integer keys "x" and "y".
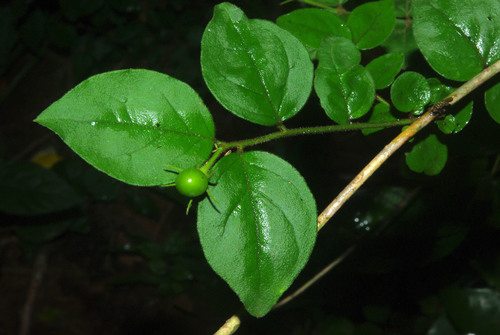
{"x": 345, "y": 88}
{"x": 260, "y": 230}
{"x": 255, "y": 69}
{"x": 457, "y": 38}
{"x": 410, "y": 92}
{"x": 131, "y": 123}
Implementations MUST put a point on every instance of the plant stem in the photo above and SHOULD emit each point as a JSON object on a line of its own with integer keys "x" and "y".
{"x": 284, "y": 132}
{"x": 208, "y": 165}
{"x": 314, "y": 279}
{"x": 230, "y": 326}
{"x": 402, "y": 138}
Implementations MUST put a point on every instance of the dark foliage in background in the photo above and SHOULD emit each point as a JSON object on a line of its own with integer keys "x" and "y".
{"x": 123, "y": 260}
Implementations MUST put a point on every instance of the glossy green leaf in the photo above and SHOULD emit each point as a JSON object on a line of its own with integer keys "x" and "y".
{"x": 385, "y": 68}
{"x": 380, "y": 113}
{"x": 458, "y": 38}
{"x": 345, "y": 88}
{"x": 255, "y": 69}
{"x": 371, "y": 23}
{"x": 473, "y": 311}
{"x": 311, "y": 25}
{"x": 492, "y": 102}
{"x": 29, "y": 189}
{"x": 259, "y": 230}
{"x": 410, "y": 92}
{"x": 131, "y": 124}
{"x": 455, "y": 123}
{"x": 427, "y": 156}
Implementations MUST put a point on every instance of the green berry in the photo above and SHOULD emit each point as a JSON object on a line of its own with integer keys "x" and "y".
{"x": 191, "y": 182}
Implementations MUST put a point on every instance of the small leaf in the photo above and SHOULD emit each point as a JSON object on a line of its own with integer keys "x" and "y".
{"x": 257, "y": 70}
{"x": 410, "y": 92}
{"x": 371, "y": 23}
{"x": 131, "y": 124}
{"x": 27, "y": 189}
{"x": 473, "y": 311}
{"x": 492, "y": 102}
{"x": 385, "y": 68}
{"x": 311, "y": 25}
{"x": 380, "y": 113}
{"x": 345, "y": 88}
{"x": 259, "y": 234}
{"x": 457, "y": 38}
{"x": 427, "y": 156}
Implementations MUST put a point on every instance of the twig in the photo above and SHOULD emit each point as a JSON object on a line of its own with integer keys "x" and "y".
{"x": 314, "y": 279}
{"x": 402, "y": 138}
{"x": 230, "y": 326}
{"x": 38, "y": 273}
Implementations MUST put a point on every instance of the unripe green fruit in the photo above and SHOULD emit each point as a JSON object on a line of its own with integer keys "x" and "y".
{"x": 191, "y": 182}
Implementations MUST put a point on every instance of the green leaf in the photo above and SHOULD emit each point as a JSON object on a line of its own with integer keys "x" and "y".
{"x": 410, "y": 92}
{"x": 28, "y": 189}
{"x": 427, "y": 156}
{"x": 260, "y": 229}
{"x": 380, "y": 113}
{"x": 345, "y": 88}
{"x": 457, "y": 38}
{"x": 492, "y": 102}
{"x": 371, "y": 23}
{"x": 473, "y": 311}
{"x": 131, "y": 124}
{"x": 311, "y": 25}
{"x": 455, "y": 123}
{"x": 385, "y": 68}
{"x": 255, "y": 69}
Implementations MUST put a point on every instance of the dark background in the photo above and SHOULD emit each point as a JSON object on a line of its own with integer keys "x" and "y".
{"x": 133, "y": 263}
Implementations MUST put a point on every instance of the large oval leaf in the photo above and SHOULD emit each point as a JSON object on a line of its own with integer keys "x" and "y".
{"x": 345, "y": 89}
{"x": 255, "y": 69}
{"x": 132, "y": 124}
{"x": 259, "y": 230}
{"x": 458, "y": 38}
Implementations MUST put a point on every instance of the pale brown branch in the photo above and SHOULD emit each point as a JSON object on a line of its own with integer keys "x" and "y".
{"x": 402, "y": 138}
{"x": 314, "y": 279}
{"x": 230, "y": 326}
